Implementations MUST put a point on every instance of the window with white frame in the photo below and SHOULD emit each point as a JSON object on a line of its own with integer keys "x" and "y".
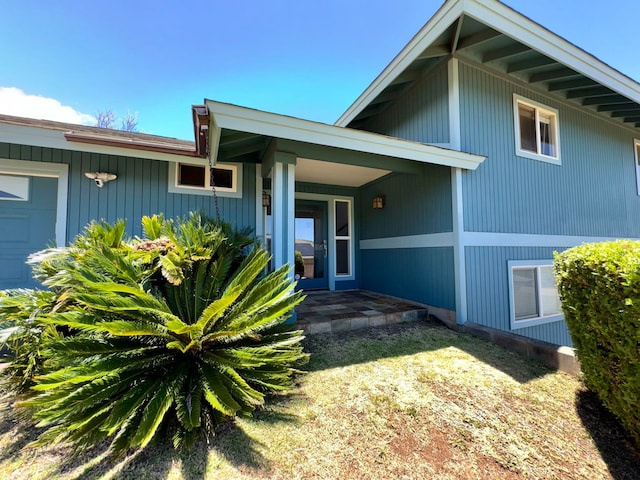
{"x": 636, "y": 148}
{"x": 537, "y": 134}
{"x": 197, "y": 179}
{"x": 533, "y": 293}
{"x": 343, "y": 236}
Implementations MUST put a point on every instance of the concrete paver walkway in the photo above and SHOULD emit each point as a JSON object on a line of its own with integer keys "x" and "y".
{"x": 339, "y": 311}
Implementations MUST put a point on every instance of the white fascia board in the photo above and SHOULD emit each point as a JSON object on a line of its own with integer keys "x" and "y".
{"x": 248, "y": 120}
{"x": 511, "y": 23}
{"x": 440, "y": 21}
{"x": 43, "y": 137}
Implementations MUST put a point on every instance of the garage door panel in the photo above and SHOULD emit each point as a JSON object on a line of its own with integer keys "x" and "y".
{"x": 15, "y": 229}
{"x": 26, "y": 227}
{"x": 13, "y": 270}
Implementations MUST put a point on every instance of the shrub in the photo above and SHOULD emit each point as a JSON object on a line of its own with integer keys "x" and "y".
{"x": 299, "y": 263}
{"x": 23, "y": 335}
{"x": 599, "y": 286}
{"x": 171, "y": 334}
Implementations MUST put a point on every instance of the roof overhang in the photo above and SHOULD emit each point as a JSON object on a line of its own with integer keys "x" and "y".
{"x": 46, "y": 133}
{"x": 256, "y": 123}
{"x": 491, "y": 33}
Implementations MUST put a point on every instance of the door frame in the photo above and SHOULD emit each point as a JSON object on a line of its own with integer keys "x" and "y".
{"x": 331, "y": 233}
{"x": 316, "y": 283}
{"x": 60, "y": 171}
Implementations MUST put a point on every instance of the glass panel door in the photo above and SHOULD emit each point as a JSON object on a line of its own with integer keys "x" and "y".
{"x": 311, "y": 244}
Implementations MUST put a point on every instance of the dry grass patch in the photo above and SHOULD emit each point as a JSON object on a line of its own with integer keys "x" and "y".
{"x": 411, "y": 401}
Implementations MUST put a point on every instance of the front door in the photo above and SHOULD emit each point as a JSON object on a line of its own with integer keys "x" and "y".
{"x": 311, "y": 266}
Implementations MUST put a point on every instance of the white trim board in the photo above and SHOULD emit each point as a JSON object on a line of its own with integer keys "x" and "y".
{"x": 481, "y": 239}
{"x": 51, "y": 170}
{"x": 430, "y": 240}
{"x": 242, "y": 119}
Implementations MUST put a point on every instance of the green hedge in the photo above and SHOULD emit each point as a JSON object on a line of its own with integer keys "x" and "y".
{"x": 599, "y": 286}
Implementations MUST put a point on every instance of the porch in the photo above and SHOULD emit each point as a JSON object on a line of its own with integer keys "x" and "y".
{"x": 339, "y": 311}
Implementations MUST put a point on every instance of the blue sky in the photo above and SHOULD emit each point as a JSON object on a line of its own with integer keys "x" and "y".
{"x": 300, "y": 58}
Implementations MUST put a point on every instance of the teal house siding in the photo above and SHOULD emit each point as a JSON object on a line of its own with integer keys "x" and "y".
{"x": 488, "y": 290}
{"x": 592, "y": 193}
{"x": 424, "y": 275}
{"x": 415, "y": 204}
{"x": 140, "y": 189}
{"x": 331, "y": 190}
{"x": 421, "y": 114}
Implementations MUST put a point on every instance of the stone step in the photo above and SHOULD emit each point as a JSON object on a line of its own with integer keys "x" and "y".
{"x": 356, "y": 323}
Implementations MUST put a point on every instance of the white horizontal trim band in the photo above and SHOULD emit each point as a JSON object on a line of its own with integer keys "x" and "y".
{"x": 411, "y": 241}
{"x": 482, "y": 239}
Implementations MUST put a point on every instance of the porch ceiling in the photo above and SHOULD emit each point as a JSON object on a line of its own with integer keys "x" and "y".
{"x": 317, "y": 171}
{"x": 497, "y": 37}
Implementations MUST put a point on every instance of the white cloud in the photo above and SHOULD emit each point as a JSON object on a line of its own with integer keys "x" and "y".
{"x": 14, "y": 101}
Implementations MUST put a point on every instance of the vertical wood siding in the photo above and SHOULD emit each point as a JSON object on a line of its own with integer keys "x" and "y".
{"x": 415, "y": 204}
{"x": 420, "y": 114}
{"x": 488, "y": 290}
{"x": 593, "y": 192}
{"x": 141, "y": 189}
{"x": 421, "y": 274}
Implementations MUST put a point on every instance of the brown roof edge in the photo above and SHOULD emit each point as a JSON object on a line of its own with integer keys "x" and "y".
{"x": 187, "y": 151}
{"x": 201, "y": 129}
{"x": 106, "y": 136}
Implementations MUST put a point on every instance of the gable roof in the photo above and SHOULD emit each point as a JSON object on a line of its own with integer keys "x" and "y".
{"x": 490, "y": 33}
{"x": 240, "y": 133}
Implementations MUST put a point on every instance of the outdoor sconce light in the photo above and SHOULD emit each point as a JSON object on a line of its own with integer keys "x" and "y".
{"x": 100, "y": 177}
{"x": 378, "y": 202}
{"x": 266, "y": 200}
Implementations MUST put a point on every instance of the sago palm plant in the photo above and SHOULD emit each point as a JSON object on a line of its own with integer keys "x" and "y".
{"x": 172, "y": 333}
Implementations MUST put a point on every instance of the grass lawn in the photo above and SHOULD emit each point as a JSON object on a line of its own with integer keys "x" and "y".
{"x": 414, "y": 401}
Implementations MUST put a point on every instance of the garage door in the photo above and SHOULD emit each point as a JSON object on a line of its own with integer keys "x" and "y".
{"x": 27, "y": 224}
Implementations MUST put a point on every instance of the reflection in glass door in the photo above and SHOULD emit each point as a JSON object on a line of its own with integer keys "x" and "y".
{"x": 311, "y": 244}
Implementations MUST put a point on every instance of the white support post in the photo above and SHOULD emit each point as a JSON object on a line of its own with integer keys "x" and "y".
{"x": 455, "y": 141}
{"x": 283, "y": 210}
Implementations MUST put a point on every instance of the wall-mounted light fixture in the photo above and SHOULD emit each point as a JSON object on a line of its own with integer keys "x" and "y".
{"x": 378, "y": 202}
{"x": 266, "y": 202}
{"x": 100, "y": 178}
{"x": 266, "y": 199}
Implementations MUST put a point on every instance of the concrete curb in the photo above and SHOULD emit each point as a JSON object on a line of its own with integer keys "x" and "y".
{"x": 553, "y": 356}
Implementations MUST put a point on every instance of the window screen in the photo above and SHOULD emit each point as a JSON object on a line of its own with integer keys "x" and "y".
{"x": 525, "y": 293}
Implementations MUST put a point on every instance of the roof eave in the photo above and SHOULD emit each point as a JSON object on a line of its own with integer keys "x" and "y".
{"x": 438, "y": 23}
{"x": 233, "y": 117}
{"x": 504, "y": 19}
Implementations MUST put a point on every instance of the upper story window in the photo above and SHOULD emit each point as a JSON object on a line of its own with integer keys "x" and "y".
{"x": 196, "y": 179}
{"x": 537, "y": 134}
{"x": 534, "y": 294}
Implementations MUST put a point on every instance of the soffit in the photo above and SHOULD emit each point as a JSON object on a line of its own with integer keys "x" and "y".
{"x": 318, "y": 171}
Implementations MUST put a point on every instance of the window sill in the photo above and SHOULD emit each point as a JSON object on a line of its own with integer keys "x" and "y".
{"x": 203, "y": 191}
{"x": 538, "y": 157}
{"x": 532, "y": 322}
